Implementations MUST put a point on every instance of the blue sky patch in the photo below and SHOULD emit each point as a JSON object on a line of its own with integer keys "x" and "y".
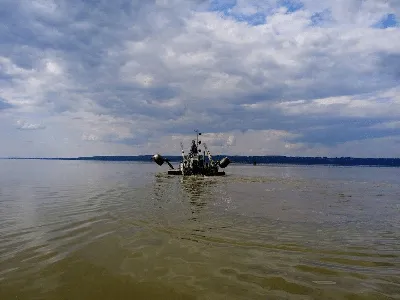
{"x": 254, "y": 19}
{"x": 390, "y": 20}
{"x": 321, "y": 17}
{"x": 291, "y": 5}
{"x": 222, "y": 5}
{"x": 225, "y": 7}
{"x": 4, "y": 104}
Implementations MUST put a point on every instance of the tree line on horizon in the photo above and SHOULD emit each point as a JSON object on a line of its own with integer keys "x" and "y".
{"x": 241, "y": 159}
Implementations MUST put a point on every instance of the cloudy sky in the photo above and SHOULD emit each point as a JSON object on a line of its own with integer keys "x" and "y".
{"x": 258, "y": 77}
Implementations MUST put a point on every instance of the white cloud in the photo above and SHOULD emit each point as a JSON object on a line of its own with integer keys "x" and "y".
{"x": 23, "y": 125}
{"x": 353, "y": 12}
{"x": 126, "y": 76}
{"x": 90, "y": 137}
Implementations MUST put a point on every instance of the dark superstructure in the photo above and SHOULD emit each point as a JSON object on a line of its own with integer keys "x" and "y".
{"x": 195, "y": 162}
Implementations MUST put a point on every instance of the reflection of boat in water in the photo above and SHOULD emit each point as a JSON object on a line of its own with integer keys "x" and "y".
{"x": 200, "y": 192}
{"x": 195, "y": 163}
{"x": 196, "y": 187}
{"x": 186, "y": 197}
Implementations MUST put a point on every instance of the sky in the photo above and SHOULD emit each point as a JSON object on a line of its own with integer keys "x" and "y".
{"x": 130, "y": 77}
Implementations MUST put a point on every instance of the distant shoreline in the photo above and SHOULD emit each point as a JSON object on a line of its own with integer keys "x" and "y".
{"x": 293, "y": 160}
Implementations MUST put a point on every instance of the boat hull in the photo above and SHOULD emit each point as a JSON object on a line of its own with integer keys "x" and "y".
{"x": 179, "y": 172}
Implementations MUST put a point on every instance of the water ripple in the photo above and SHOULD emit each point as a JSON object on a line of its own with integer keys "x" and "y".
{"x": 270, "y": 233}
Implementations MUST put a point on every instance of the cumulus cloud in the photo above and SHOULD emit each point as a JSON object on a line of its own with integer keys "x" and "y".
{"x": 127, "y": 76}
{"x": 23, "y": 125}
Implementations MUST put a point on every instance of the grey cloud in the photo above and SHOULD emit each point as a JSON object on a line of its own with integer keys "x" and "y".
{"x": 341, "y": 133}
{"x": 203, "y": 71}
{"x": 390, "y": 66}
{"x": 353, "y": 12}
{"x": 92, "y": 66}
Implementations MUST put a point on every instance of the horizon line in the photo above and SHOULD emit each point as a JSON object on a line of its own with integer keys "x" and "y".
{"x": 218, "y": 155}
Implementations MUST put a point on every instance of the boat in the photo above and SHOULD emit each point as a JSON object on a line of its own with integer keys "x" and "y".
{"x": 196, "y": 162}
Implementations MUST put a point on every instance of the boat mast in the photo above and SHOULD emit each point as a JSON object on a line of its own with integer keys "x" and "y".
{"x": 197, "y": 136}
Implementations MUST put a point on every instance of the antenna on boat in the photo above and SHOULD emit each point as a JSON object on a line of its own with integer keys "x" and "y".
{"x": 182, "y": 151}
{"x": 197, "y": 136}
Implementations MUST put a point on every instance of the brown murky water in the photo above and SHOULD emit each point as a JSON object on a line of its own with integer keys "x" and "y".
{"x": 106, "y": 230}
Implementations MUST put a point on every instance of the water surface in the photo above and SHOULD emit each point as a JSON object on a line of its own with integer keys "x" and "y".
{"x": 118, "y": 230}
